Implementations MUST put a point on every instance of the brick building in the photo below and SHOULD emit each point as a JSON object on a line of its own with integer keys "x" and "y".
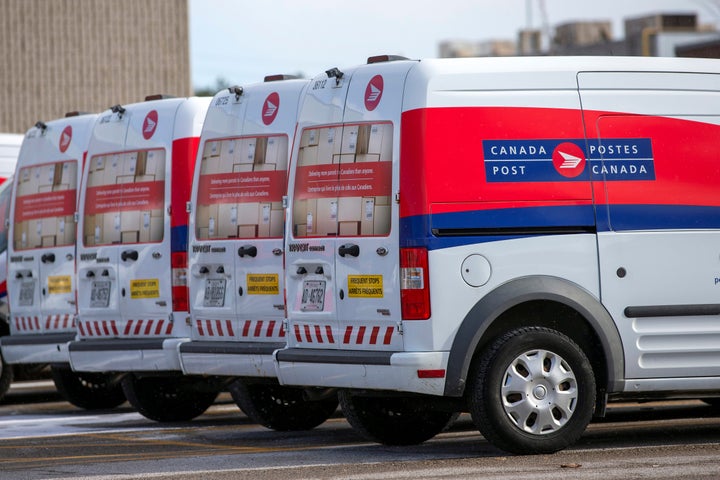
{"x": 66, "y": 55}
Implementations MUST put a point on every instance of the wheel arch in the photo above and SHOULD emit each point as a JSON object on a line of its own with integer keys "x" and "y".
{"x": 507, "y": 307}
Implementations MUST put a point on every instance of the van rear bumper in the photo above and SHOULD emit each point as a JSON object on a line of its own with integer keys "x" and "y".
{"x": 242, "y": 359}
{"x": 37, "y": 348}
{"x": 126, "y": 355}
{"x": 395, "y": 371}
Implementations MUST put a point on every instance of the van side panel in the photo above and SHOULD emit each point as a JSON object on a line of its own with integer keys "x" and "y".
{"x": 658, "y": 219}
{"x": 489, "y": 171}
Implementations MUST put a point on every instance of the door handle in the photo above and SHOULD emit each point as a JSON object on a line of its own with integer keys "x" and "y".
{"x": 349, "y": 249}
{"x": 48, "y": 258}
{"x": 129, "y": 255}
{"x": 249, "y": 250}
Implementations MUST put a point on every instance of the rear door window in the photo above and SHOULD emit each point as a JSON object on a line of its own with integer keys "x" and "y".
{"x": 344, "y": 181}
{"x": 125, "y": 198}
{"x": 45, "y": 205}
{"x": 242, "y": 182}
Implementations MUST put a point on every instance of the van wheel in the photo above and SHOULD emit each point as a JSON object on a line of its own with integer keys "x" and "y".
{"x": 6, "y": 376}
{"x": 393, "y": 420}
{"x": 281, "y": 408}
{"x": 532, "y": 391}
{"x": 88, "y": 390}
{"x": 169, "y": 399}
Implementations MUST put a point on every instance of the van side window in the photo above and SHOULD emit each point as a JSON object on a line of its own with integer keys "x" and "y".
{"x": 125, "y": 198}
{"x": 343, "y": 181}
{"x": 241, "y": 185}
{"x": 45, "y": 205}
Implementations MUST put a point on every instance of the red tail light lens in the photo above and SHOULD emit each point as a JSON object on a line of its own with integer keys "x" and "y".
{"x": 414, "y": 284}
{"x": 180, "y": 291}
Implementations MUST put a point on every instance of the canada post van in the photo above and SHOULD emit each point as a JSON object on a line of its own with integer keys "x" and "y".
{"x": 6, "y": 370}
{"x": 522, "y": 238}
{"x": 42, "y": 250}
{"x": 236, "y": 277}
{"x": 9, "y": 149}
{"x": 132, "y": 254}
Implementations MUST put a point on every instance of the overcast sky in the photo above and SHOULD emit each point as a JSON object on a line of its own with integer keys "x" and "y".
{"x": 241, "y": 41}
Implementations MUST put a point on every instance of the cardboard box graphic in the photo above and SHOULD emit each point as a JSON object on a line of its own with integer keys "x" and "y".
{"x": 242, "y": 167}
{"x": 308, "y": 156}
{"x": 374, "y": 144}
{"x": 349, "y": 139}
{"x": 326, "y": 219}
{"x": 309, "y": 137}
{"x": 350, "y": 209}
{"x": 344, "y": 158}
{"x": 276, "y": 222}
{"x": 381, "y": 221}
{"x": 329, "y": 144}
{"x": 349, "y": 229}
{"x": 367, "y": 157}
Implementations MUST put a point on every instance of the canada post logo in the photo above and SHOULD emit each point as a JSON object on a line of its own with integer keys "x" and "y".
{"x": 548, "y": 160}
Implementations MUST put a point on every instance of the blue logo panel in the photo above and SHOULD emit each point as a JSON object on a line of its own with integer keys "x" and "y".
{"x": 559, "y": 160}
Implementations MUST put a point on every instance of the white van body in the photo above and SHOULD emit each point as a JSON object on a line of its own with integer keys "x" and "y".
{"x": 236, "y": 274}
{"x": 559, "y": 205}
{"x": 41, "y": 250}
{"x": 9, "y": 150}
{"x": 132, "y": 255}
{"x": 235, "y": 259}
{"x": 132, "y": 225}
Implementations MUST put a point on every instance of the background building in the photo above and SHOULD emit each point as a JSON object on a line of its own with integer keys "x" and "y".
{"x": 68, "y": 55}
{"x": 658, "y": 34}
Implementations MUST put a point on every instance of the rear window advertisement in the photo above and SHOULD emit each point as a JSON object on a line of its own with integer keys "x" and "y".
{"x": 241, "y": 184}
{"x": 125, "y": 198}
{"x": 343, "y": 181}
{"x": 45, "y": 205}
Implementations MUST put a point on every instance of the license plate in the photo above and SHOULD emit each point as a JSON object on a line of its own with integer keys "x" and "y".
{"x": 27, "y": 293}
{"x": 313, "y": 299}
{"x": 100, "y": 294}
{"x": 214, "y": 292}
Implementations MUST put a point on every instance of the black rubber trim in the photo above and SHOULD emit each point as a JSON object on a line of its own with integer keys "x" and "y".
{"x": 671, "y": 310}
{"x": 231, "y": 348}
{"x": 344, "y": 357}
{"x": 116, "y": 344}
{"x": 41, "y": 339}
{"x": 511, "y": 231}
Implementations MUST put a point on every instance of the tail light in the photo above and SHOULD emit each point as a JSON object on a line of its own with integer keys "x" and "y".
{"x": 180, "y": 292}
{"x": 414, "y": 285}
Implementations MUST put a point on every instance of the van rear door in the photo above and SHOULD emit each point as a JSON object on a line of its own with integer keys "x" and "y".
{"x": 367, "y": 258}
{"x": 97, "y": 255}
{"x": 42, "y": 250}
{"x": 144, "y": 257}
{"x": 311, "y": 232}
{"x": 342, "y": 253}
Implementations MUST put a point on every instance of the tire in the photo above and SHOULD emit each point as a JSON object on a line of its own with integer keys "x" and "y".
{"x": 532, "y": 392}
{"x": 169, "y": 399}
{"x": 281, "y": 408}
{"x": 88, "y": 390}
{"x": 6, "y": 376}
{"x": 393, "y": 420}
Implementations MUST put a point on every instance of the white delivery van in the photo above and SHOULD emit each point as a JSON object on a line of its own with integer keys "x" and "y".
{"x": 41, "y": 252}
{"x": 9, "y": 150}
{"x": 236, "y": 252}
{"x": 522, "y": 238}
{"x": 6, "y": 370}
{"x": 132, "y": 254}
